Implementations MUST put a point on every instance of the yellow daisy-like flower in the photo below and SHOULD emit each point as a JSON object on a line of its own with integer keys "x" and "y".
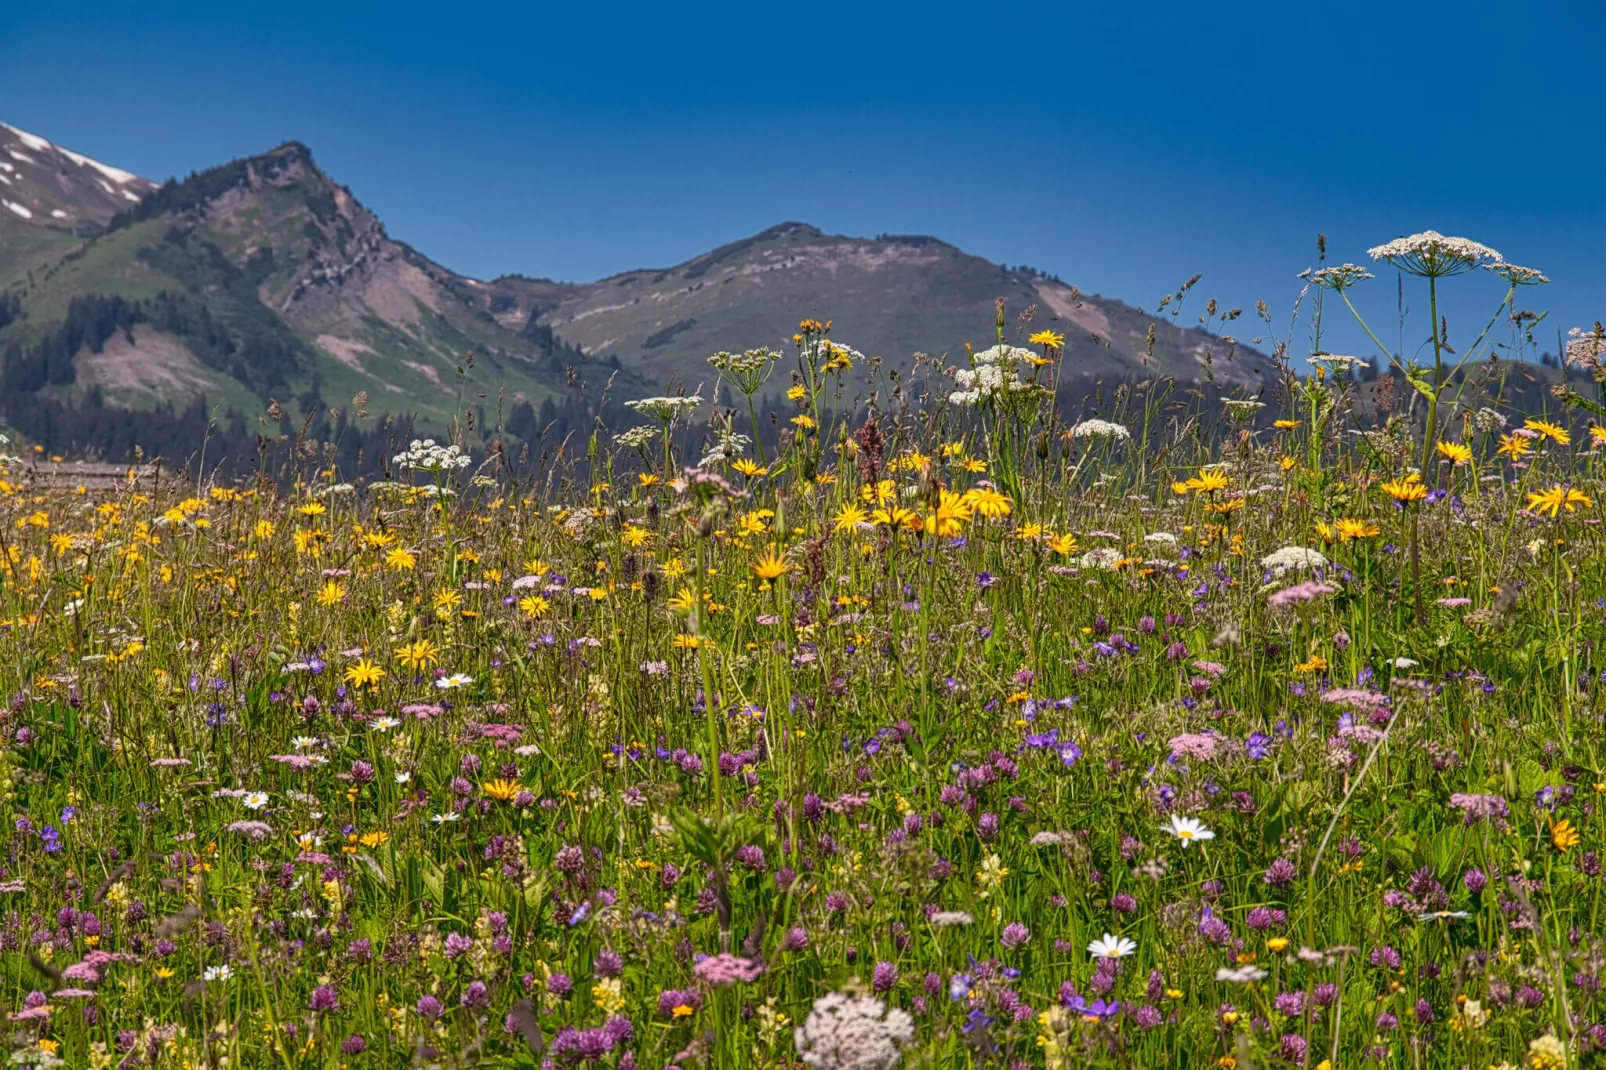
{"x": 1551, "y": 502}
{"x": 1064, "y": 545}
{"x": 988, "y": 503}
{"x": 533, "y": 605}
{"x": 848, "y": 518}
{"x": 749, "y": 468}
{"x": 1408, "y": 489}
{"x": 1356, "y": 529}
{"x": 1048, "y": 340}
{"x": 419, "y": 655}
{"x": 770, "y": 567}
{"x": 501, "y": 790}
{"x": 364, "y": 674}
{"x": 1285, "y": 425}
{"x": 1457, "y": 453}
{"x": 1545, "y": 429}
{"x": 1514, "y": 446}
{"x": 1563, "y": 835}
{"x": 401, "y": 560}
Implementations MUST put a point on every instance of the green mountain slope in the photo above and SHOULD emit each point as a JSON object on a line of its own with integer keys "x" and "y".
{"x": 258, "y": 279}
{"x": 890, "y": 296}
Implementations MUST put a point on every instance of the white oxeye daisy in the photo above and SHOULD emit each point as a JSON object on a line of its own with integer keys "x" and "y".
{"x": 1188, "y": 829}
{"x": 1110, "y": 946}
{"x": 303, "y": 742}
{"x": 256, "y": 800}
{"x": 217, "y": 973}
{"x": 457, "y": 679}
{"x": 384, "y": 724}
{"x": 402, "y": 778}
{"x": 441, "y": 819}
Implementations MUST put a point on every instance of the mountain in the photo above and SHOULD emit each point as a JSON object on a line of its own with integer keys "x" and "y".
{"x": 889, "y": 296}
{"x": 258, "y": 279}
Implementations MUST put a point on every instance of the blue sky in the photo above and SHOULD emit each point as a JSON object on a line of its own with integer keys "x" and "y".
{"x": 1123, "y": 147}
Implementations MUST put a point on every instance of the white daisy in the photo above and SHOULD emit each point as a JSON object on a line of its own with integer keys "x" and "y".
{"x": 384, "y": 724}
{"x": 256, "y": 800}
{"x": 1188, "y": 829}
{"x": 1110, "y": 946}
{"x": 402, "y": 778}
{"x": 457, "y": 679}
{"x": 441, "y": 819}
{"x": 217, "y": 973}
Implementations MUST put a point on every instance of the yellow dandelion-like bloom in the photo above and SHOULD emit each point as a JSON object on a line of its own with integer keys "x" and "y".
{"x": 364, "y": 674}
{"x": 1547, "y": 430}
{"x": 331, "y": 594}
{"x": 1457, "y": 453}
{"x": 418, "y": 655}
{"x": 770, "y": 567}
{"x": 1551, "y": 502}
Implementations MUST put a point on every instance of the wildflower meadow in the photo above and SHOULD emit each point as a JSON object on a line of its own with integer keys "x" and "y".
{"x": 944, "y": 729}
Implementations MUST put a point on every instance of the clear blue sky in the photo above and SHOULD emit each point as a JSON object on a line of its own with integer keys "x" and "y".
{"x": 1123, "y": 146}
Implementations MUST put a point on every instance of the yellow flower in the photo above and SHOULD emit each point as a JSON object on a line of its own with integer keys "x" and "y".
{"x": 1545, "y": 429}
{"x": 364, "y": 674}
{"x": 1316, "y": 664}
{"x": 375, "y": 839}
{"x": 1208, "y": 481}
{"x": 1551, "y": 502}
{"x": 1047, "y": 339}
{"x": 1357, "y": 529}
{"x": 1409, "y": 489}
{"x": 501, "y": 790}
{"x": 1324, "y": 530}
{"x": 419, "y": 655}
{"x": 312, "y": 509}
{"x": 796, "y": 393}
{"x": 1231, "y": 505}
{"x": 1597, "y": 432}
{"x": 533, "y": 605}
{"x": 1563, "y": 835}
{"x": 634, "y": 536}
{"x": 770, "y": 567}
{"x": 608, "y": 994}
{"x": 848, "y": 518}
{"x": 331, "y": 594}
{"x": 1458, "y": 453}
{"x": 400, "y": 559}
{"x": 1514, "y": 446}
{"x": 950, "y": 516}
{"x": 1286, "y": 425}
{"x": 647, "y": 479}
{"x": 750, "y": 469}
{"x": 989, "y": 503}
{"x": 1064, "y": 545}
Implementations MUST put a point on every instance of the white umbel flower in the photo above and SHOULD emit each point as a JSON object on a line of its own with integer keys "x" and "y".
{"x": 426, "y": 455}
{"x": 1103, "y": 557}
{"x": 852, "y": 1033}
{"x": 665, "y": 408}
{"x": 1434, "y": 256}
{"x": 1293, "y": 559}
{"x": 1100, "y": 429}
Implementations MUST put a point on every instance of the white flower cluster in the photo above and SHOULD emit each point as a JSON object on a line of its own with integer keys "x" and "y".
{"x": 753, "y": 360}
{"x": 1103, "y": 557}
{"x": 1338, "y": 278}
{"x": 728, "y": 446}
{"x": 1100, "y": 429}
{"x": 1336, "y": 363}
{"x": 636, "y": 437}
{"x": 1292, "y": 559}
{"x": 995, "y": 375}
{"x": 1488, "y": 421}
{"x": 1518, "y": 275}
{"x": 852, "y": 1033}
{"x": 429, "y": 456}
{"x": 665, "y": 408}
{"x": 1432, "y": 255}
{"x": 824, "y": 351}
{"x": 1244, "y": 405}
{"x": 1584, "y": 348}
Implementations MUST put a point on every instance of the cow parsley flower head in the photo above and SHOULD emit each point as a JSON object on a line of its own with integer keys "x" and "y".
{"x": 846, "y": 1032}
{"x": 1335, "y": 362}
{"x": 637, "y": 437}
{"x": 1585, "y": 348}
{"x": 665, "y": 409}
{"x": 1339, "y": 278}
{"x": 989, "y": 380}
{"x": 1431, "y": 255}
{"x": 1100, "y": 429}
{"x": 1518, "y": 275}
{"x": 1292, "y": 559}
{"x": 1103, "y": 557}
{"x": 427, "y": 455}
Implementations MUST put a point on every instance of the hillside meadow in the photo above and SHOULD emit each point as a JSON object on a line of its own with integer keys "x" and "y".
{"x": 961, "y": 734}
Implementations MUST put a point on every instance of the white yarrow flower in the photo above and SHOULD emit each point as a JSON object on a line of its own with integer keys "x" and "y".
{"x": 1293, "y": 559}
{"x": 1100, "y": 429}
{"x": 852, "y": 1033}
{"x": 1242, "y": 975}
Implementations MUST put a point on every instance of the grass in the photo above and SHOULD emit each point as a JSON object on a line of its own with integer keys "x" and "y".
{"x": 1108, "y": 744}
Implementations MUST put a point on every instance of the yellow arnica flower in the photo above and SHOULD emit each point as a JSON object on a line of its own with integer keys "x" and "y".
{"x": 770, "y": 567}
{"x": 953, "y": 512}
{"x": 1563, "y": 835}
{"x": 1356, "y": 529}
{"x": 419, "y": 655}
{"x": 1514, "y": 446}
{"x": 1458, "y": 453}
{"x": 1064, "y": 545}
{"x": 1545, "y": 429}
{"x": 847, "y": 518}
{"x": 501, "y": 790}
{"x": 1047, "y": 339}
{"x": 750, "y": 469}
{"x": 331, "y": 594}
{"x": 1551, "y": 502}
{"x": 1207, "y": 482}
{"x": 989, "y": 503}
{"x": 1409, "y": 489}
{"x": 1286, "y": 425}
{"x": 364, "y": 674}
